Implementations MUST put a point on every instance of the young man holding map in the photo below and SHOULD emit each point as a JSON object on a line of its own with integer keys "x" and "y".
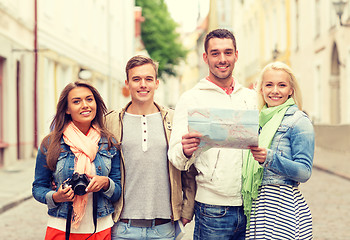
{"x": 218, "y": 206}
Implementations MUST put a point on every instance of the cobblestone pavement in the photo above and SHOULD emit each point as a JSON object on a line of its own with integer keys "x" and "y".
{"x": 327, "y": 193}
{"x": 26, "y": 221}
{"x": 328, "y": 197}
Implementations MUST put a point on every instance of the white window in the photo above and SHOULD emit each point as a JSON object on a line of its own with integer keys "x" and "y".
{"x": 47, "y": 104}
{"x": 102, "y": 87}
{"x": 64, "y": 76}
{"x": 333, "y": 18}
{"x": 348, "y": 86}
{"x": 282, "y": 26}
{"x": 317, "y": 18}
{"x": 317, "y": 115}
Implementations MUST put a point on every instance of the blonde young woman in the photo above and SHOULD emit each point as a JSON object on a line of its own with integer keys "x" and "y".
{"x": 79, "y": 143}
{"x": 273, "y": 204}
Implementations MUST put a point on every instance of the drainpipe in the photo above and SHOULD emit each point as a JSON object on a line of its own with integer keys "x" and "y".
{"x": 35, "y": 73}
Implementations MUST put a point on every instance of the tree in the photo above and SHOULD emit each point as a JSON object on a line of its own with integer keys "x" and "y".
{"x": 160, "y": 37}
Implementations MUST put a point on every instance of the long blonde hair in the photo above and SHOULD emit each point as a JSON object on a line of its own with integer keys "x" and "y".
{"x": 280, "y": 66}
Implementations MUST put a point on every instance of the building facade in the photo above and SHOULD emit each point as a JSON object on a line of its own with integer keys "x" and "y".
{"x": 304, "y": 34}
{"x": 46, "y": 44}
{"x": 16, "y": 80}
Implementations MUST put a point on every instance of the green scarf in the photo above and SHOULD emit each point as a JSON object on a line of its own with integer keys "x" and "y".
{"x": 270, "y": 119}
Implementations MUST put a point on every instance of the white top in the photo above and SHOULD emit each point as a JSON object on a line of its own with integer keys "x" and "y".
{"x": 87, "y": 223}
{"x": 147, "y": 185}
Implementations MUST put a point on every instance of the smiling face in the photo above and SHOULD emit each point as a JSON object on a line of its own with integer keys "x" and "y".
{"x": 221, "y": 57}
{"x": 276, "y": 87}
{"x": 82, "y": 107}
{"x": 142, "y": 83}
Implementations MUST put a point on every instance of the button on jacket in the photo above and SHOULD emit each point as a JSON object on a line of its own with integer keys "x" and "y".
{"x": 290, "y": 157}
{"x": 107, "y": 163}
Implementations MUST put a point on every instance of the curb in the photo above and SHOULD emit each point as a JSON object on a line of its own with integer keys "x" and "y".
{"x": 318, "y": 167}
{"x": 13, "y": 204}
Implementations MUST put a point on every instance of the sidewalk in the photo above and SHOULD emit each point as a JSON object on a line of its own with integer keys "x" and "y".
{"x": 333, "y": 162}
{"x": 16, "y": 184}
{"x": 16, "y": 181}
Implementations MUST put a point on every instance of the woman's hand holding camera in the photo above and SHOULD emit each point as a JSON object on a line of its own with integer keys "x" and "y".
{"x": 64, "y": 194}
{"x": 97, "y": 183}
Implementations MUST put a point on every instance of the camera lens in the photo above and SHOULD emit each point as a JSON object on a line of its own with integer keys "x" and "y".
{"x": 79, "y": 189}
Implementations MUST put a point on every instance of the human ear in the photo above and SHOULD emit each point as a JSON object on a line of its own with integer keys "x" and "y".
{"x": 205, "y": 57}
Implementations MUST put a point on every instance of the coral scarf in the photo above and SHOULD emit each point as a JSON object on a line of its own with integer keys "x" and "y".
{"x": 270, "y": 119}
{"x": 84, "y": 148}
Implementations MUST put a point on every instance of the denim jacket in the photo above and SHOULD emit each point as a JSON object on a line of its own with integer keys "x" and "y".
{"x": 290, "y": 157}
{"x": 107, "y": 163}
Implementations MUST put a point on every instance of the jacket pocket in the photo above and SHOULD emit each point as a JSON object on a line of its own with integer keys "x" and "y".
{"x": 60, "y": 173}
{"x": 107, "y": 159}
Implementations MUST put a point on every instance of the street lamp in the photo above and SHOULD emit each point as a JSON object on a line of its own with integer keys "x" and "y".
{"x": 339, "y": 9}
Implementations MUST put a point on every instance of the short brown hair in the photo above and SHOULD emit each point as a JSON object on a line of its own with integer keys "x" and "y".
{"x": 219, "y": 33}
{"x": 140, "y": 60}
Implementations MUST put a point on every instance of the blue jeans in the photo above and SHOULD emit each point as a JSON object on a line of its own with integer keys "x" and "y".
{"x": 123, "y": 230}
{"x": 219, "y": 222}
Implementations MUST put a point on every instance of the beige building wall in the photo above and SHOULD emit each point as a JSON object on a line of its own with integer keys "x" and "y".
{"x": 99, "y": 37}
{"x": 16, "y": 81}
{"x": 307, "y": 36}
{"x": 262, "y": 30}
{"x": 320, "y": 56}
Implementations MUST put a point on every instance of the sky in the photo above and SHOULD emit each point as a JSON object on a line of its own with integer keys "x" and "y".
{"x": 185, "y": 12}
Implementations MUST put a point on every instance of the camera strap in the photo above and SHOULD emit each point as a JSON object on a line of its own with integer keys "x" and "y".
{"x": 94, "y": 215}
{"x": 69, "y": 219}
{"x": 94, "y": 211}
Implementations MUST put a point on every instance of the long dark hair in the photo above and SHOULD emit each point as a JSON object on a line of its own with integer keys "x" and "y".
{"x": 52, "y": 141}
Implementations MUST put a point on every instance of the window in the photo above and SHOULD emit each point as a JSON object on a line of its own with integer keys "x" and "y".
{"x": 297, "y": 20}
{"x": 317, "y": 18}
{"x": 2, "y": 143}
{"x": 47, "y": 104}
{"x": 347, "y": 10}
{"x": 283, "y": 26}
{"x": 332, "y": 15}
{"x": 348, "y": 86}
{"x": 318, "y": 95}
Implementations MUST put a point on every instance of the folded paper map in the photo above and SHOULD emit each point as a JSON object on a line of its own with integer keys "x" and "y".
{"x": 224, "y": 128}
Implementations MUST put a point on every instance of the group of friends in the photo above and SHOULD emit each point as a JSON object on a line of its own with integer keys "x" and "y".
{"x": 144, "y": 172}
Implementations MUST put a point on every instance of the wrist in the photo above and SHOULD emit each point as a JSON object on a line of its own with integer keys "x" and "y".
{"x": 106, "y": 185}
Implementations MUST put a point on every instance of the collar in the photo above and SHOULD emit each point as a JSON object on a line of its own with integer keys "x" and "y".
{"x": 163, "y": 111}
{"x": 101, "y": 141}
{"x": 227, "y": 90}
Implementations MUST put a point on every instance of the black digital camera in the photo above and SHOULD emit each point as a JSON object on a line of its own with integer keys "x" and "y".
{"x": 78, "y": 182}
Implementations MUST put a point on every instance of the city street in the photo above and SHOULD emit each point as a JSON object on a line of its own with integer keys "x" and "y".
{"x": 328, "y": 197}
{"x": 45, "y": 46}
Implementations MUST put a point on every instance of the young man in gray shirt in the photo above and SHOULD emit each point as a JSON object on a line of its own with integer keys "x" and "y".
{"x": 152, "y": 191}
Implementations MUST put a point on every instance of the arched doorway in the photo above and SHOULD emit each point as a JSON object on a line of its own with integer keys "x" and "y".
{"x": 334, "y": 87}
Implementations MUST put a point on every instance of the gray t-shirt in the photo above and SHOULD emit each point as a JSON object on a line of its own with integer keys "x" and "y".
{"x": 147, "y": 186}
